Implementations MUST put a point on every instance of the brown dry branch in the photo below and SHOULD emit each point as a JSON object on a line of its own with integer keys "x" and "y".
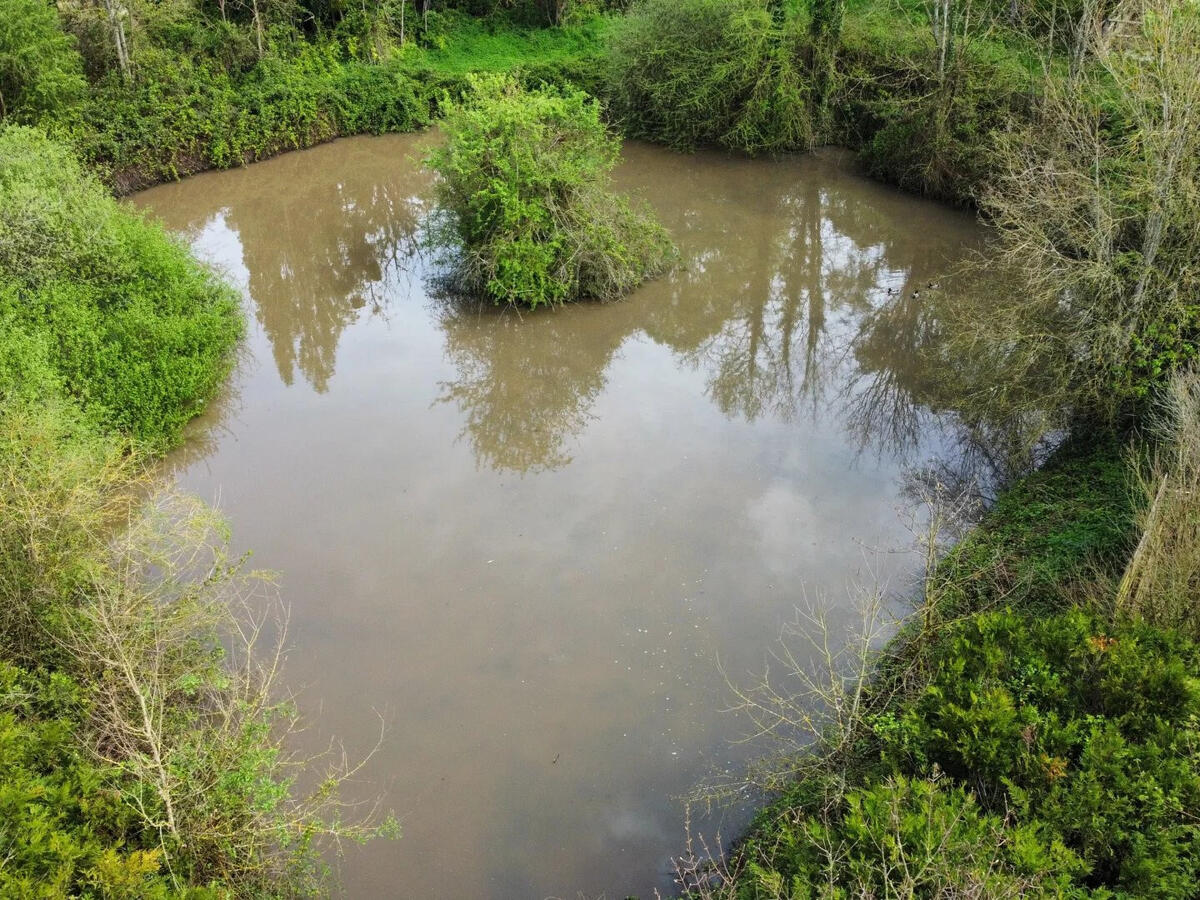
{"x": 1095, "y": 210}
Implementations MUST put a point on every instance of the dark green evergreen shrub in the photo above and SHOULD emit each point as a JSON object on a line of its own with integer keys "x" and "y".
{"x": 1086, "y": 729}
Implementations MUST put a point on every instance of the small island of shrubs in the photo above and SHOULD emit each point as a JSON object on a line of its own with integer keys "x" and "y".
{"x": 526, "y": 201}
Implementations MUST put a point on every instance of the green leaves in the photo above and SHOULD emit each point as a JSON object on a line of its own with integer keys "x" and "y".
{"x": 41, "y": 74}
{"x": 528, "y": 211}
{"x": 1089, "y": 728}
{"x": 101, "y": 304}
{"x": 62, "y": 832}
{"x": 694, "y": 72}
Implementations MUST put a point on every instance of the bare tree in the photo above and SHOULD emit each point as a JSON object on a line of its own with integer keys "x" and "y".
{"x": 1099, "y": 262}
{"x": 118, "y": 15}
{"x": 185, "y": 651}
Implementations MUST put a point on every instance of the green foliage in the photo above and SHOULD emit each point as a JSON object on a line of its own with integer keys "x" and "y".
{"x": 199, "y": 102}
{"x": 1086, "y": 728}
{"x": 694, "y": 72}
{"x": 899, "y": 837}
{"x": 61, "y": 483}
{"x": 99, "y": 301}
{"x": 63, "y": 832}
{"x": 1069, "y": 744}
{"x": 525, "y": 192}
{"x": 41, "y": 74}
{"x": 915, "y": 124}
{"x": 1070, "y": 520}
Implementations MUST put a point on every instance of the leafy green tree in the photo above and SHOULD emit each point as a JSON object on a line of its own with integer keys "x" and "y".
{"x": 694, "y": 72}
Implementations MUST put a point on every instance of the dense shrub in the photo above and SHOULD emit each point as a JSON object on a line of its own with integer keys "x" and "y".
{"x": 899, "y": 837}
{"x": 919, "y": 122}
{"x": 161, "y": 726}
{"x": 64, "y": 483}
{"x": 694, "y": 72}
{"x": 196, "y": 107}
{"x": 1086, "y": 728}
{"x": 101, "y": 302}
{"x": 41, "y": 74}
{"x": 527, "y": 205}
{"x": 65, "y": 833}
{"x": 1045, "y": 755}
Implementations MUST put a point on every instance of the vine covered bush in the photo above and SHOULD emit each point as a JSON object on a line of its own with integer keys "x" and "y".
{"x": 692, "y": 72}
{"x": 527, "y": 204}
{"x": 99, "y": 303}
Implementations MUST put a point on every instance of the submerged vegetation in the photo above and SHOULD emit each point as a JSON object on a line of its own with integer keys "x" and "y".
{"x": 1031, "y": 729}
{"x": 529, "y": 210}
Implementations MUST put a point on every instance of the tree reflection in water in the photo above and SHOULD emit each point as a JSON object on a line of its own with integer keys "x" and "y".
{"x": 796, "y": 291}
{"x": 525, "y": 383}
{"x": 308, "y": 283}
{"x": 800, "y": 291}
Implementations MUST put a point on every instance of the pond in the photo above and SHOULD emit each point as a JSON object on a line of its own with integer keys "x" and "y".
{"x": 533, "y": 543}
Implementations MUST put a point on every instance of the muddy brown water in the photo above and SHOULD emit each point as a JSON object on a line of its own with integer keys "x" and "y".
{"x": 525, "y": 540}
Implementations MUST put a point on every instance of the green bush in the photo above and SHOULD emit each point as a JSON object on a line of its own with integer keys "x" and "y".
{"x": 526, "y": 200}
{"x": 64, "y": 833}
{"x": 900, "y": 837}
{"x": 62, "y": 484}
{"x": 100, "y": 301}
{"x": 693, "y": 72}
{"x": 925, "y": 131}
{"x": 378, "y": 99}
{"x": 1085, "y": 728}
{"x": 41, "y": 73}
{"x": 1045, "y": 755}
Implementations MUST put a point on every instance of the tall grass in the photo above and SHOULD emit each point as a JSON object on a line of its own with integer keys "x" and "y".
{"x": 1162, "y": 581}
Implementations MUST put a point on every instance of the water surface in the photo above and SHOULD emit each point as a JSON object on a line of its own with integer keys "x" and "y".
{"x": 524, "y": 540}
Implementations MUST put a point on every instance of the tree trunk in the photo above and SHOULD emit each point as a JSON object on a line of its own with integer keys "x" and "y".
{"x": 258, "y": 27}
{"x": 116, "y": 23}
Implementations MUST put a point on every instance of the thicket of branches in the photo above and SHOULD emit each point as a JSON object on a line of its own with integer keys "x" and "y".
{"x": 1097, "y": 212}
{"x": 173, "y": 652}
{"x": 528, "y": 208}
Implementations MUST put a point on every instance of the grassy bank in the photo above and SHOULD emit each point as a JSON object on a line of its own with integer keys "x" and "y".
{"x": 1027, "y": 734}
